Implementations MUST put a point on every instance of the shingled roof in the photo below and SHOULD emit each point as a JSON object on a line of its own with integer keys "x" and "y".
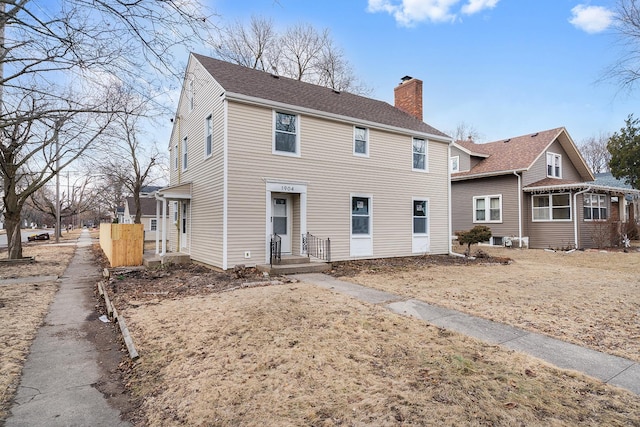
{"x": 239, "y": 80}
{"x": 519, "y": 154}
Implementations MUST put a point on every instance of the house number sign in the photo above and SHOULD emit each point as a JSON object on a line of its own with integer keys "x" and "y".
{"x": 284, "y": 187}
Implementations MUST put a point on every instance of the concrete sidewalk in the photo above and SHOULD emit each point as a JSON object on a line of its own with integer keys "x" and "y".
{"x": 610, "y": 369}
{"x": 56, "y": 387}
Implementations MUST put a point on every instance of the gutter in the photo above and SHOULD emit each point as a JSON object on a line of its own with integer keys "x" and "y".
{"x": 575, "y": 209}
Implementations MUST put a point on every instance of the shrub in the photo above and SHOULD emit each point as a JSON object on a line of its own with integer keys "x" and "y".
{"x": 479, "y": 233}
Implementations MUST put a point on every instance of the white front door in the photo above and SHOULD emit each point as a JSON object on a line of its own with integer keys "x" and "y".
{"x": 183, "y": 227}
{"x": 281, "y": 220}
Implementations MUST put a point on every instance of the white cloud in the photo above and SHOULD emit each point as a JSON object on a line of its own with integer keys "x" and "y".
{"x": 410, "y": 12}
{"x": 592, "y": 19}
{"x": 475, "y": 6}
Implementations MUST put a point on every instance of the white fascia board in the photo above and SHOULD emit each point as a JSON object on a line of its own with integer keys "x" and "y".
{"x": 486, "y": 175}
{"x": 337, "y": 117}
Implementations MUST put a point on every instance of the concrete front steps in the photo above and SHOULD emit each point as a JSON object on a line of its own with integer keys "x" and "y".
{"x": 295, "y": 264}
{"x": 155, "y": 260}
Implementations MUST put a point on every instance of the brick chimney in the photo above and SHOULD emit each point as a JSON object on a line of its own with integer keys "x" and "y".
{"x": 408, "y": 96}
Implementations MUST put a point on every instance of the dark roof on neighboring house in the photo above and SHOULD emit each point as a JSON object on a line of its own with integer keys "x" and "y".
{"x": 236, "y": 79}
{"x": 518, "y": 153}
{"x": 147, "y": 206}
{"x": 150, "y": 189}
{"x": 607, "y": 179}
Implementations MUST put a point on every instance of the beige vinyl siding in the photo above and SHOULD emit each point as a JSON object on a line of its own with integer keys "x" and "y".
{"x": 332, "y": 174}
{"x": 539, "y": 169}
{"x": 464, "y": 162}
{"x": 205, "y": 222}
{"x": 462, "y": 208}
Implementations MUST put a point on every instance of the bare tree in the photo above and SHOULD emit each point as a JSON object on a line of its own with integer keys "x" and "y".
{"x": 595, "y": 153}
{"x": 465, "y": 132}
{"x": 57, "y": 65}
{"x": 79, "y": 197}
{"x": 627, "y": 27}
{"x": 301, "y": 52}
{"x": 132, "y": 162}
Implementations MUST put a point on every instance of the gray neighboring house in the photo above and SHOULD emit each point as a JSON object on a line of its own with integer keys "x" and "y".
{"x": 148, "y": 205}
{"x": 257, "y": 157}
{"x": 535, "y": 191}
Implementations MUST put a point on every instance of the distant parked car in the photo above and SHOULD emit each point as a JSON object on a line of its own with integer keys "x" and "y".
{"x": 41, "y": 236}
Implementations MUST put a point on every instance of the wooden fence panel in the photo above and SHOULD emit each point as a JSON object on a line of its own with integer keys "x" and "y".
{"x": 123, "y": 244}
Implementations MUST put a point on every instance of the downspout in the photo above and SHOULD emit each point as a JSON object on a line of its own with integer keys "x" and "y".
{"x": 519, "y": 208}
{"x": 164, "y": 225}
{"x": 575, "y": 209}
{"x": 450, "y": 225}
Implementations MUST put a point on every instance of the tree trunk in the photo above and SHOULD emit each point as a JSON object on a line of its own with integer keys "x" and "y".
{"x": 136, "y": 203}
{"x": 14, "y": 238}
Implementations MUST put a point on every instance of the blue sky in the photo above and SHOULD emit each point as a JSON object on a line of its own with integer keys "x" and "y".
{"x": 504, "y": 67}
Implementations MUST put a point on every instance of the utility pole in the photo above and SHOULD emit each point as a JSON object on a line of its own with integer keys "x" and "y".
{"x": 57, "y": 230}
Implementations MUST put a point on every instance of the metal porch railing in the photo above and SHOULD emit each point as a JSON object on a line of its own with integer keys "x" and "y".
{"x": 316, "y": 247}
{"x": 275, "y": 251}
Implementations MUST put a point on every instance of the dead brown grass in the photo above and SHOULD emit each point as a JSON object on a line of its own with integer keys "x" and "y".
{"x": 589, "y": 298}
{"x": 22, "y": 310}
{"x": 291, "y": 355}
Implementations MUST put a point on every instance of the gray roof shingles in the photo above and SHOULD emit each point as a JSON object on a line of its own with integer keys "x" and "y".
{"x": 259, "y": 84}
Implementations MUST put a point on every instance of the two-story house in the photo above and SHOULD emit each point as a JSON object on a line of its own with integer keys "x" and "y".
{"x": 534, "y": 191}
{"x": 256, "y": 156}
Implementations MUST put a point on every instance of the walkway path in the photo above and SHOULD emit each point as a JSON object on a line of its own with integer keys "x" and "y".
{"x": 614, "y": 370}
{"x": 56, "y": 387}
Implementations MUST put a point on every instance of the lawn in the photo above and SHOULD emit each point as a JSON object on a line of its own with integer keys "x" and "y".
{"x": 293, "y": 354}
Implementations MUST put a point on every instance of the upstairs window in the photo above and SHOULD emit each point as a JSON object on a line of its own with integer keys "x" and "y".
{"x": 184, "y": 154}
{"x": 208, "y": 136}
{"x": 454, "y": 164}
{"x": 595, "y": 207}
{"x": 419, "y": 154}
{"x": 286, "y": 134}
{"x": 153, "y": 225}
{"x": 487, "y": 209}
{"x": 554, "y": 165}
{"x": 360, "y": 142}
{"x": 176, "y": 157}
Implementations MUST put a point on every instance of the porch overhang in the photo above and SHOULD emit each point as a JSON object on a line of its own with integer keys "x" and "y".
{"x": 582, "y": 186}
{"x": 176, "y": 192}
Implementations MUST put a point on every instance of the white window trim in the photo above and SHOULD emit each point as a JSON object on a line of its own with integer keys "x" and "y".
{"x": 175, "y": 212}
{"x": 550, "y": 208}
{"x": 553, "y": 157}
{"x": 185, "y": 154}
{"x": 208, "y": 121}
{"x": 426, "y": 155}
{"x": 457, "y": 159}
{"x": 487, "y": 209}
{"x": 361, "y": 236}
{"x": 427, "y": 216}
{"x": 605, "y": 205}
{"x": 366, "y": 139}
{"x": 176, "y": 157}
{"x": 273, "y": 136}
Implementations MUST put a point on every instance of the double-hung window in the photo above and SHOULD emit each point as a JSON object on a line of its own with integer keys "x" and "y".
{"x": 554, "y": 165}
{"x": 454, "y": 163}
{"x": 551, "y": 207}
{"x": 595, "y": 207}
{"x": 420, "y": 220}
{"x": 360, "y": 141}
{"x": 208, "y": 136}
{"x": 360, "y": 216}
{"x": 419, "y": 154}
{"x": 184, "y": 154}
{"x": 176, "y": 157}
{"x": 286, "y": 134}
{"x": 487, "y": 209}
{"x": 153, "y": 225}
